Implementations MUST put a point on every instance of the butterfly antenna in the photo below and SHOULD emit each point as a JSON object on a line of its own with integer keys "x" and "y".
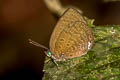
{"x": 37, "y": 44}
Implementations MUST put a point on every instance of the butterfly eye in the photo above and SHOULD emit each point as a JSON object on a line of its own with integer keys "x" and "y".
{"x": 49, "y": 53}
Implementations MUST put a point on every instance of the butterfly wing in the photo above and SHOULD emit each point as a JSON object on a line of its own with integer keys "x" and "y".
{"x": 71, "y": 35}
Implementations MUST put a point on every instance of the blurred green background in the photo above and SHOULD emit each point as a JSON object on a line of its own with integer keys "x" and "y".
{"x": 24, "y": 19}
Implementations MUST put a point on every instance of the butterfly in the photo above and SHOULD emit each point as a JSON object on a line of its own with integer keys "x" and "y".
{"x": 70, "y": 38}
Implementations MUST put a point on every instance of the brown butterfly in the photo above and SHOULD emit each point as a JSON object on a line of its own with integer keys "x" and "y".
{"x": 71, "y": 37}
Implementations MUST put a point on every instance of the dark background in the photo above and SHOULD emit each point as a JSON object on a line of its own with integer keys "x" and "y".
{"x": 23, "y": 19}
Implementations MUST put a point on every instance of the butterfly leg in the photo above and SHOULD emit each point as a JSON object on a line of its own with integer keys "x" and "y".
{"x": 56, "y": 64}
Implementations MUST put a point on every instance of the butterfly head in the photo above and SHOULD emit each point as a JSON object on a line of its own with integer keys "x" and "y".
{"x": 48, "y": 53}
{"x": 54, "y": 56}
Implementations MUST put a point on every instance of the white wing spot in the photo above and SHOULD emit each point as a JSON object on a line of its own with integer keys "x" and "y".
{"x": 89, "y": 44}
